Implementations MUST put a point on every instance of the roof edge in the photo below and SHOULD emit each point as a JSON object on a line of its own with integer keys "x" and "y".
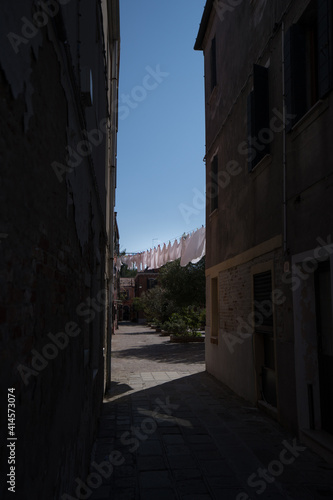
{"x": 203, "y": 25}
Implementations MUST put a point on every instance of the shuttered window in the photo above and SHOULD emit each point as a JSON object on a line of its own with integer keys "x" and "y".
{"x": 295, "y": 73}
{"x": 262, "y": 295}
{"x": 214, "y": 187}
{"x": 308, "y": 59}
{"x": 258, "y": 117}
{"x": 264, "y": 328}
{"x": 213, "y": 73}
{"x": 325, "y": 46}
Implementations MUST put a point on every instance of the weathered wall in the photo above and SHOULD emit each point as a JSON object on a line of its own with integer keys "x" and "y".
{"x": 52, "y": 261}
{"x": 251, "y": 204}
{"x": 310, "y": 179}
{"x": 233, "y": 358}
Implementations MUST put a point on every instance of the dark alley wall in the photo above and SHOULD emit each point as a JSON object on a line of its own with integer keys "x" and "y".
{"x": 53, "y": 246}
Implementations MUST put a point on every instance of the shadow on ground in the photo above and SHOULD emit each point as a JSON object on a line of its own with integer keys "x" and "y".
{"x": 193, "y": 438}
{"x": 143, "y": 329}
{"x": 166, "y": 353}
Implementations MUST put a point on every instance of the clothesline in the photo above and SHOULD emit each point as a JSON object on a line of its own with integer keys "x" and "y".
{"x": 190, "y": 248}
{"x": 171, "y": 240}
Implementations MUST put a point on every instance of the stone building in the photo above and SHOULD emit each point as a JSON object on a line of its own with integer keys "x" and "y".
{"x": 269, "y": 163}
{"x": 59, "y": 64}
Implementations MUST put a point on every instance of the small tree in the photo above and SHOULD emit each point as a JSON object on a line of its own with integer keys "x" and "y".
{"x": 185, "y": 286}
{"x": 156, "y": 306}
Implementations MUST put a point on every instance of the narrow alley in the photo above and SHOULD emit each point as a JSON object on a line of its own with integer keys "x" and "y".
{"x": 166, "y": 164}
{"x": 170, "y": 431}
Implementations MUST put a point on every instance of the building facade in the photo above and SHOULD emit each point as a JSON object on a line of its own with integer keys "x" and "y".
{"x": 269, "y": 164}
{"x": 144, "y": 280}
{"x": 127, "y": 294}
{"x": 59, "y": 65}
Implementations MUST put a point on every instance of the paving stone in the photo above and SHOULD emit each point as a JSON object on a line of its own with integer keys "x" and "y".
{"x": 169, "y": 430}
{"x": 225, "y": 481}
{"x": 154, "y": 479}
{"x": 176, "y": 449}
{"x": 150, "y": 448}
{"x": 215, "y": 468}
{"x": 149, "y": 463}
{"x": 173, "y": 439}
{"x": 123, "y": 494}
{"x": 199, "y": 438}
{"x": 182, "y": 462}
{"x": 125, "y": 482}
{"x": 198, "y": 497}
{"x": 124, "y": 471}
{"x": 101, "y": 493}
{"x": 157, "y": 494}
{"x": 182, "y": 474}
{"x": 210, "y": 445}
{"x": 191, "y": 486}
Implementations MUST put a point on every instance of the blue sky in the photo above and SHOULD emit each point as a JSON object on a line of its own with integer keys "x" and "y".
{"x": 161, "y": 138}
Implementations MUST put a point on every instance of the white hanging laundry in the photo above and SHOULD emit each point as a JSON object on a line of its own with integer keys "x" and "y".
{"x": 172, "y": 252}
{"x": 194, "y": 247}
{"x": 125, "y": 259}
{"x": 189, "y": 249}
{"x": 179, "y": 247}
{"x": 201, "y": 245}
{"x": 164, "y": 255}
{"x": 138, "y": 261}
{"x": 144, "y": 260}
{"x": 168, "y": 253}
{"x": 118, "y": 264}
{"x": 158, "y": 257}
{"x": 153, "y": 259}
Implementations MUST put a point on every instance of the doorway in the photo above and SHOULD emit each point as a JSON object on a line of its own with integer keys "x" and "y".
{"x": 323, "y": 294}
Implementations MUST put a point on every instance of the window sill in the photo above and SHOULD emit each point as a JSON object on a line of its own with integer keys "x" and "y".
{"x": 303, "y": 123}
{"x": 213, "y": 213}
{"x": 261, "y": 166}
{"x": 214, "y": 340}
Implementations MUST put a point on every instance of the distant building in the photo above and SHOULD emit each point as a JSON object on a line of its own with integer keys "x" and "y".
{"x": 145, "y": 280}
{"x": 127, "y": 294}
{"x": 59, "y": 66}
{"x": 269, "y": 217}
{"x": 116, "y": 277}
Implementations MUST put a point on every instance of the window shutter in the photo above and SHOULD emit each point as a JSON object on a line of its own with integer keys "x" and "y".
{"x": 213, "y": 64}
{"x": 258, "y": 115}
{"x": 214, "y": 191}
{"x": 325, "y": 58}
{"x": 250, "y": 128}
{"x": 262, "y": 294}
{"x": 295, "y": 73}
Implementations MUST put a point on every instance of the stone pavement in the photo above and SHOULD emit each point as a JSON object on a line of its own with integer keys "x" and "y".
{"x": 169, "y": 431}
